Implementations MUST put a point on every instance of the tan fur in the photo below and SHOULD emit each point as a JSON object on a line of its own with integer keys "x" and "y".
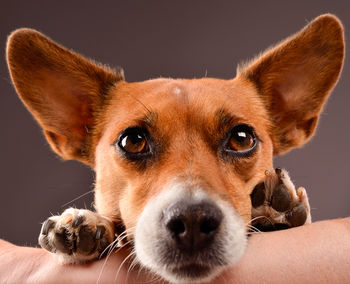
{"x": 83, "y": 107}
{"x": 295, "y": 78}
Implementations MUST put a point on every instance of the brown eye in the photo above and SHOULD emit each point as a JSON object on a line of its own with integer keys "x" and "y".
{"x": 242, "y": 138}
{"x": 133, "y": 142}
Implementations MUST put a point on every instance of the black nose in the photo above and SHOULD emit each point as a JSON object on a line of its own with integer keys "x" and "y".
{"x": 192, "y": 226}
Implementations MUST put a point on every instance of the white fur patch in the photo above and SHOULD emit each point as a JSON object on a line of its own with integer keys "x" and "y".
{"x": 177, "y": 91}
{"x": 232, "y": 233}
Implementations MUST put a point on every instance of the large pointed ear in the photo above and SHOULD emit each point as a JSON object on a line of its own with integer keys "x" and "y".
{"x": 60, "y": 88}
{"x": 295, "y": 79}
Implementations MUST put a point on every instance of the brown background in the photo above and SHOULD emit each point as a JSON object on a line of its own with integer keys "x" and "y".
{"x": 151, "y": 39}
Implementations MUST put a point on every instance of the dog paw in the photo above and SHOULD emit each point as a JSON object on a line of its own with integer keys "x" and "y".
{"x": 77, "y": 235}
{"x": 276, "y": 204}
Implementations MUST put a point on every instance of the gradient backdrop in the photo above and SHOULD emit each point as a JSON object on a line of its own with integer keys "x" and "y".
{"x": 150, "y": 39}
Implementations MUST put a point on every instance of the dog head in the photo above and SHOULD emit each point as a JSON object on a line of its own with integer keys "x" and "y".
{"x": 177, "y": 160}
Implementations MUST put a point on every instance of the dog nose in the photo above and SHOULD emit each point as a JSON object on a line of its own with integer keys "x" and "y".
{"x": 192, "y": 226}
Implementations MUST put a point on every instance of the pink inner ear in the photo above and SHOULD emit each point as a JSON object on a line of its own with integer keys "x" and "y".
{"x": 64, "y": 111}
{"x": 293, "y": 85}
{"x": 67, "y": 109}
{"x": 302, "y": 89}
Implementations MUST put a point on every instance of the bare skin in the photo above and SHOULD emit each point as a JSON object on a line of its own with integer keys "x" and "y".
{"x": 315, "y": 253}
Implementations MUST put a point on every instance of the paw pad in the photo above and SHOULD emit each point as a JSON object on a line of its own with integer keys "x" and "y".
{"x": 277, "y": 205}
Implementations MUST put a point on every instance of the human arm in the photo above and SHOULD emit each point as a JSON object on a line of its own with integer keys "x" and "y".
{"x": 35, "y": 265}
{"x": 315, "y": 253}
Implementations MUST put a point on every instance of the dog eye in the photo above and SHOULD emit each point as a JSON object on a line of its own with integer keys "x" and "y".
{"x": 242, "y": 138}
{"x": 133, "y": 142}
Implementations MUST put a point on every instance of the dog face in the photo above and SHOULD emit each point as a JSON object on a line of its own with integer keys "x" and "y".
{"x": 185, "y": 162}
{"x": 177, "y": 160}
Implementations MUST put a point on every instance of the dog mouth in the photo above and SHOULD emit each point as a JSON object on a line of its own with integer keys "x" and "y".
{"x": 191, "y": 266}
{"x": 192, "y": 271}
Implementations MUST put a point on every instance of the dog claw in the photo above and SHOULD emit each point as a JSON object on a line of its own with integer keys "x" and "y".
{"x": 47, "y": 226}
{"x": 100, "y": 232}
{"x": 278, "y": 171}
{"x": 77, "y": 221}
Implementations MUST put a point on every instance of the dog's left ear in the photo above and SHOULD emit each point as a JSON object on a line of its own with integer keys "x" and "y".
{"x": 295, "y": 78}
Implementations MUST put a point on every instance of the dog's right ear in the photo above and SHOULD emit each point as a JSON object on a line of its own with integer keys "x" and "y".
{"x": 61, "y": 89}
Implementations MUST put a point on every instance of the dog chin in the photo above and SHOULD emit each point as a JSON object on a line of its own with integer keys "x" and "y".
{"x": 192, "y": 273}
{"x": 154, "y": 253}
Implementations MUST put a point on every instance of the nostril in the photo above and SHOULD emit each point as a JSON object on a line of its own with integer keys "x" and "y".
{"x": 209, "y": 225}
{"x": 176, "y": 226}
{"x": 192, "y": 225}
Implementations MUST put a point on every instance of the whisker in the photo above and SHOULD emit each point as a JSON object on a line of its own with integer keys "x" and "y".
{"x": 256, "y": 218}
{"x": 131, "y": 266}
{"x": 131, "y": 254}
{"x": 140, "y": 270}
{"x": 80, "y": 196}
{"x": 254, "y": 229}
{"x": 111, "y": 248}
{"x": 124, "y": 245}
{"x": 122, "y": 238}
{"x": 108, "y": 247}
{"x": 124, "y": 234}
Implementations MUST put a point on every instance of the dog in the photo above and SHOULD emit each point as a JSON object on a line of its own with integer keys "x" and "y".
{"x": 183, "y": 166}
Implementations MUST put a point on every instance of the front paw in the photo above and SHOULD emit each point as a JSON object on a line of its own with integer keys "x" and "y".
{"x": 76, "y": 235}
{"x": 276, "y": 204}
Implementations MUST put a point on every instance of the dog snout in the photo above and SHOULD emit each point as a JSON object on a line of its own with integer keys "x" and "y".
{"x": 188, "y": 236}
{"x": 192, "y": 226}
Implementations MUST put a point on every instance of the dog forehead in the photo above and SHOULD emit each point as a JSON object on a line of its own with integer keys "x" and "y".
{"x": 179, "y": 96}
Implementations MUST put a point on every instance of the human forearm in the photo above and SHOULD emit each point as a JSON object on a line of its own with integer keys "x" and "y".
{"x": 34, "y": 265}
{"x": 17, "y": 263}
{"x": 316, "y": 253}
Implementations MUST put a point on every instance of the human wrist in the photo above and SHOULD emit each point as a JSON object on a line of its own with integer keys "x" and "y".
{"x": 18, "y": 264}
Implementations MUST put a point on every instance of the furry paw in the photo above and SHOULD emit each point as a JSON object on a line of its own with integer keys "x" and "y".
{"x": 76, "y": 235}
{"x": 276, "y": 204}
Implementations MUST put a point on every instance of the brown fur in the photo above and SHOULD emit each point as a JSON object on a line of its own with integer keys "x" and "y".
{"x": 83, "y": 107}
{"x": 295, "y": 78}
{"x": 74, "y": 88}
